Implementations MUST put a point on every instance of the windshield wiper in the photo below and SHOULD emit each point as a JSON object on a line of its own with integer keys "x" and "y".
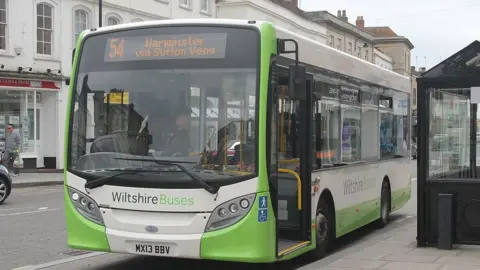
{"x": 102, "y": 181}
{"x": 207, "y": 187}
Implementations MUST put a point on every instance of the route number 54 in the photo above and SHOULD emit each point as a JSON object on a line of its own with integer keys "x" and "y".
{"x": 116, "y": 47}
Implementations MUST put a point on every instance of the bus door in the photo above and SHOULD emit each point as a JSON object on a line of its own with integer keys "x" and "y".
{"x": 291, "y": 159}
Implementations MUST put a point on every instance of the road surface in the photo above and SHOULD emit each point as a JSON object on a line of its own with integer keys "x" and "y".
{"x": 32, "y": 233}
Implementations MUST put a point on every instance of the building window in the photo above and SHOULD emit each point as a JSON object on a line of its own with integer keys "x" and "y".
{"x": 81, "y": 22}
{"x": 366, "y": 55}
{"x": 44, "y": 29}
{"x": 185, "y": 3}
{"x": 331, "y": 41}
{"x": 349, "y": 47}
{"x": 112, "y": 21}
{"x": 359, "y": 52}
{"x": 3, "y": 24}
{"x": 204, "y": 5}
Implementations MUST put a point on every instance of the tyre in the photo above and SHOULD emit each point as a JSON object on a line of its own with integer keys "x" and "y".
{"x": 385, "y": 203}
{"x": 4, "y": 189}
{"x": 324, "y": 226}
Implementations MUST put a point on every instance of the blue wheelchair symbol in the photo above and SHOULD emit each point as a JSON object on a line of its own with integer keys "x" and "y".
{"x": 262, "y": 215}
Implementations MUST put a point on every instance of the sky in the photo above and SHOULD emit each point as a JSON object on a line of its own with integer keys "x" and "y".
{"x": 437, "y": 28}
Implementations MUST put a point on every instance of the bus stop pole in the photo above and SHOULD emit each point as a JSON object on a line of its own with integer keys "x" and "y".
{"x": 422, "y": 149}
{"x": 100, "y": 5}
{"x": 473, "y": 140}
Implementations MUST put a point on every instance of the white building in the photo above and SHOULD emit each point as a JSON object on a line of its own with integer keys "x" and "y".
{"x": 36, "y": 57}
{"x": 266, "y": 10}
{"x": 381, "y": 59}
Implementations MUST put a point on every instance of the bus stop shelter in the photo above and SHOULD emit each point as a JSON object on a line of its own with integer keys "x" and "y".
{"x": 447, "y": 174}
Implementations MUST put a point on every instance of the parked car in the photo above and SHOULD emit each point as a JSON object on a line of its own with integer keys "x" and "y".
{"x": 5, "y": 182}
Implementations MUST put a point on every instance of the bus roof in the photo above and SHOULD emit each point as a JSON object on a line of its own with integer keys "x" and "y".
{"x": 126, "y": 26}
{"x": 311, "y": 51}
{"x": 321, "y": 55}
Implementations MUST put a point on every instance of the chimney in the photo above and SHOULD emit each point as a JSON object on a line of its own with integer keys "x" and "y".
{"x": 360, "y": 22}
{"x": 344, "y": 15}
{"x": 339, "y": 14}
{"x": 423, "y": 69}
{"x": 294, "y": 3}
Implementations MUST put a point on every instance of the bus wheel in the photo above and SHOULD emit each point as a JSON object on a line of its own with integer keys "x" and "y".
{"x": 385, "y": 203}
{"x": 324, "y": 230}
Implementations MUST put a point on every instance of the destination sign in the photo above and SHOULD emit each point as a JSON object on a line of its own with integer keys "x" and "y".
{"x": 166, "y": 47}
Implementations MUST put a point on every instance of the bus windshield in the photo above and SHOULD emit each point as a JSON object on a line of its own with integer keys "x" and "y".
{"x": 179, "y": 94}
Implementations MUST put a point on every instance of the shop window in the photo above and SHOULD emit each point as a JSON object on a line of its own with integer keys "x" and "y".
{"x": 17, "y": 108}
{"x": 31, "y": 123}
{"x": 3, "y": 24}
{"x": 44, "y": 29}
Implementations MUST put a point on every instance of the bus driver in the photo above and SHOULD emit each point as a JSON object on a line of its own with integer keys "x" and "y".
{"x": 179, "y": 142}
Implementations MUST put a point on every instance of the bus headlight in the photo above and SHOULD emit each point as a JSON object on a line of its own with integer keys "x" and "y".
{"x": 230, "y": 212}
{"x": 85, "y": 206}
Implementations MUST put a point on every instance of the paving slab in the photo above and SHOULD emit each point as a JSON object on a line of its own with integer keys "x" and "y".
{"x": 398, "y": 251}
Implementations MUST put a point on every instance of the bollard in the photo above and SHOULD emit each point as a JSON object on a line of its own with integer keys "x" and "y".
{"x": 446, "y": 219}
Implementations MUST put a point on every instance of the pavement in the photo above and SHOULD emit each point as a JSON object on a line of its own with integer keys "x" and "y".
{"x": 37, "y": 179}
{"x": 398, "y": 251}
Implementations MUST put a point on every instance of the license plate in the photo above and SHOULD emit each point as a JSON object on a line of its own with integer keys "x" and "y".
{"x": 153, "y": 249}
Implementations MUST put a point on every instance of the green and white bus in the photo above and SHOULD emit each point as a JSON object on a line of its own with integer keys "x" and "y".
{"x": 228, "y": 140}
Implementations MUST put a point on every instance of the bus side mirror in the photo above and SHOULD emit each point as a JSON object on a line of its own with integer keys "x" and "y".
{"x": 297, "y": 82}
{"x": 149, "y": 139}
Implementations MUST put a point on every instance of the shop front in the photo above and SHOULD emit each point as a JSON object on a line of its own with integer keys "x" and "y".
{"x": 31, "y": 107}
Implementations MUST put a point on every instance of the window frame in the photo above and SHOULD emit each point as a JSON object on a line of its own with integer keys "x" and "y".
{"x": 4, "y": 50}
{"x": 208, "y": 7}
{"x": 113, "y": 16}
{"x": 186, "y": 4}
{"x": 88, "y": 22}
{"x": 52, "y": 30}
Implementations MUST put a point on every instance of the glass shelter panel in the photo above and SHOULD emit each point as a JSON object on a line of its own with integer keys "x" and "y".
{"x": 449, "y": 133}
